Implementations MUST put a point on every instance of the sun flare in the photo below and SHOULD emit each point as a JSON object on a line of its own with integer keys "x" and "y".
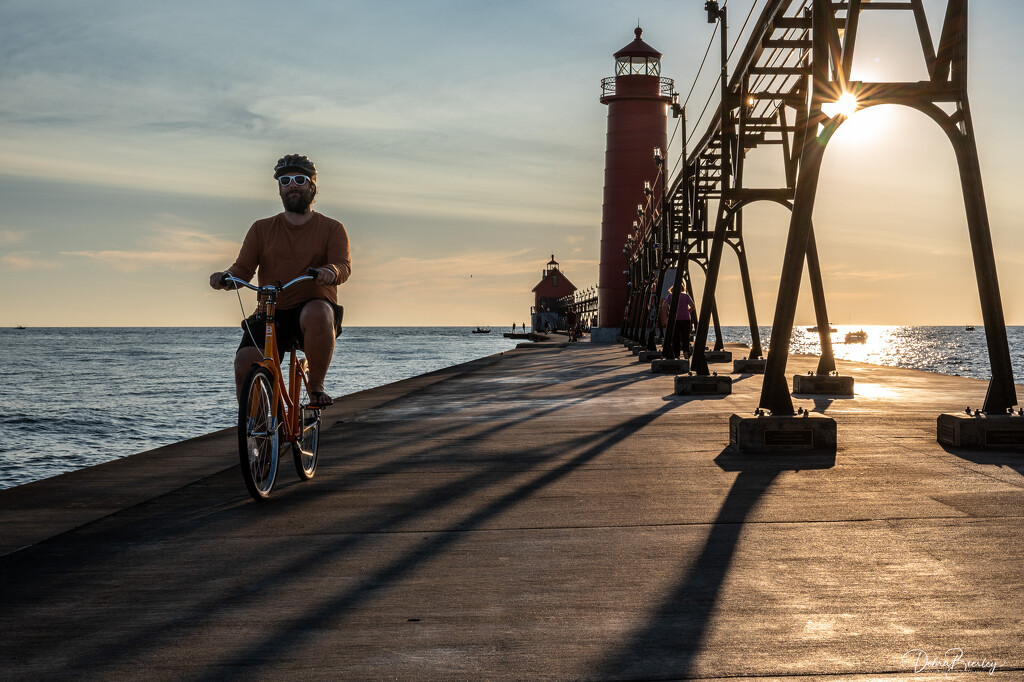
{"x": 845, "y": 106}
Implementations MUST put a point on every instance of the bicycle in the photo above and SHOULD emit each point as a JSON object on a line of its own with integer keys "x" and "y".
{"x": 270, "y": 411}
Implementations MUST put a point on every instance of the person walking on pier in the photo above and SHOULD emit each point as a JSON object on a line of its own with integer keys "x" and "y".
{"x": 571, "y": 323}
{"x": 282, "y": 247}
{"x": 685, "y": 312}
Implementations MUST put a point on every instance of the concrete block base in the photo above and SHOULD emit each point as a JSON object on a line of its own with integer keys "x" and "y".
{"x": 718, "y": 355}
{"x": 811, "y": 432}
{"x": 692, "y": 384}
{"x": 823, "y": 384}
{"x": 638, "y": 348}
{"x": 605, "y": 334}
{"x": 665, "y": 366}
{"x": 648, "y": 355}
{"x": 983, "y": 431}
{"x": 749, "y": 366}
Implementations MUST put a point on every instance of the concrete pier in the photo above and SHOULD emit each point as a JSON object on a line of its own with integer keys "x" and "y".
{"x": 550, "y": 513}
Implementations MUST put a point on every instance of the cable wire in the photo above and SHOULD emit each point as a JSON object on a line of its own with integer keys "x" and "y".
{"x": 245, "y": 318}
{"x": 740, "y": 34}
{"x": 718, "y": 80}
{"x": 706, "y": 53}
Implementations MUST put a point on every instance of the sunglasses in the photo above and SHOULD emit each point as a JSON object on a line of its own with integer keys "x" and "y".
{"x": 299, "y": 180}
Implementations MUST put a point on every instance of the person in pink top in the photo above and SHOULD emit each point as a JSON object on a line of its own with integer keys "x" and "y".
{"x": 685, "y": 314}
{"x": 282, "y": 247}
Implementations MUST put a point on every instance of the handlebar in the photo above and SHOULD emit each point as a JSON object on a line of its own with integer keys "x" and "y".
{"x": 228, "y": 278}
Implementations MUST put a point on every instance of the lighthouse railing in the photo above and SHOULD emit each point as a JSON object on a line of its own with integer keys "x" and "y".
{"x": 666, "y": 86}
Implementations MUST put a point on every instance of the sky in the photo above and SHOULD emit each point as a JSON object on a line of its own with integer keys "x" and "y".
{"x": 461, "y": 142}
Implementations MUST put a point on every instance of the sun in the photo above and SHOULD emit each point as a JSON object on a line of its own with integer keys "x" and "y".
{"x": 846, "y": 106}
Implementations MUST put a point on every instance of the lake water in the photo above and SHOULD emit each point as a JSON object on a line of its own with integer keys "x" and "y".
{"x": 71, "y": 398}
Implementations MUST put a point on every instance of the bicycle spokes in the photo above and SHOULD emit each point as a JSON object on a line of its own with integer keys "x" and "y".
{"x": 259, "y": 433}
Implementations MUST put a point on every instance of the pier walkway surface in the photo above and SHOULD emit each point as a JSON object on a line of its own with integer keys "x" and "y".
{"x": 554, "y": 512}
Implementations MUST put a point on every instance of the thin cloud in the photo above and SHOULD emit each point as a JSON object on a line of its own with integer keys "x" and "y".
{"x": 477, "y": 275}
{"x": 836, "y": 275}
{"x": 183, "y": 249}
{"x": 460, "y": 268}
{"x": 8, "y": 237}
{"x": 27, "y": 260}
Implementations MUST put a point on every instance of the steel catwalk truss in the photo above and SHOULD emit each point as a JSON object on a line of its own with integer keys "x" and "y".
{"x": 796, "y": 62}
{"x": 582, "y": 302}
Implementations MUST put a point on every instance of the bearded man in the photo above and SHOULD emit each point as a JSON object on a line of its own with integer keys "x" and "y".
{"x": 281, "y": 248}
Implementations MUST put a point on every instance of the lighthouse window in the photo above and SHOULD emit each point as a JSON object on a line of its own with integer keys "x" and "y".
{"x": 554, "y": 280}
{"x": 625, "y": 66}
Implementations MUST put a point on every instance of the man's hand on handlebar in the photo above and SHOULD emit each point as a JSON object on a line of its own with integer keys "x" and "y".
{"x": 324, "y": 276}
{"x": 216, "y": 281}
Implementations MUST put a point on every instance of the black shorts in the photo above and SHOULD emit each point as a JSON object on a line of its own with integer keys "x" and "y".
{"x": 289, "y": 334}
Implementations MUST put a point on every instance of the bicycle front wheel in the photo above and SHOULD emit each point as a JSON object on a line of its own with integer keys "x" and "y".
{"x": 307, "y": 446}
{"x": 259, "y": 433}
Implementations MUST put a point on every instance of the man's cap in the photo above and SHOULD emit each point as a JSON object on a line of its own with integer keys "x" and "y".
{"x": 294, "y": 163}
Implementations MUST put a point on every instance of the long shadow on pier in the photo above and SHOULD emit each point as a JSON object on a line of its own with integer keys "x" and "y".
{"x": 668, "y": 646}
{"x": 331, "y": 610}
{"x": 138, "y": 625}
{"x": 1008, "y": 459}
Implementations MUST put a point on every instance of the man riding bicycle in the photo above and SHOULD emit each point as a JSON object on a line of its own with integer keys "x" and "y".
{"x": 281, "y": 247}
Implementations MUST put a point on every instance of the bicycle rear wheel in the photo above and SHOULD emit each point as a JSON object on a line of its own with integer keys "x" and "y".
{"x": 305, "y": 450}
{"x": 259, "y": 433}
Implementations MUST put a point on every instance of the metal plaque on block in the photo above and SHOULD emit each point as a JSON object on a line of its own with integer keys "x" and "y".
{"x": 704, "y": 387}
{"x": 802, "y": 438}
{"x": 1004, "y": 437}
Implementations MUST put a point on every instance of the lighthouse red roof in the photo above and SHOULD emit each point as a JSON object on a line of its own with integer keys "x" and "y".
{"x": 638, "y": 48}
{"x": 554, "y": 284}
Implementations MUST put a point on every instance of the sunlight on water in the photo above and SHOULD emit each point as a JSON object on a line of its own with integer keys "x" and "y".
{"x": 946, "y": 350}
{"x": 938, "y": 349}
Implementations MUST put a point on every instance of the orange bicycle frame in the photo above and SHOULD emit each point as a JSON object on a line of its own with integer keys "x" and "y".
{"x": 285, "y": 396}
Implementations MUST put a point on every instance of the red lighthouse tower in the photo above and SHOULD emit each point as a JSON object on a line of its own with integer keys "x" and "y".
{"x": 637, "y": 98}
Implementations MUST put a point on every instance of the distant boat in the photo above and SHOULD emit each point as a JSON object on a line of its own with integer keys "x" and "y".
{"x": 481, "y": 330}
{"x": 856, "y": 337}
{"x": 815, "y": 329}
{"x": 969, "y": 328}
{"x": 19, "y": 327}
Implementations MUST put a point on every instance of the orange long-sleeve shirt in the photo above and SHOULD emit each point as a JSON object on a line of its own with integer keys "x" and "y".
{"x": 280, "y": 252}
